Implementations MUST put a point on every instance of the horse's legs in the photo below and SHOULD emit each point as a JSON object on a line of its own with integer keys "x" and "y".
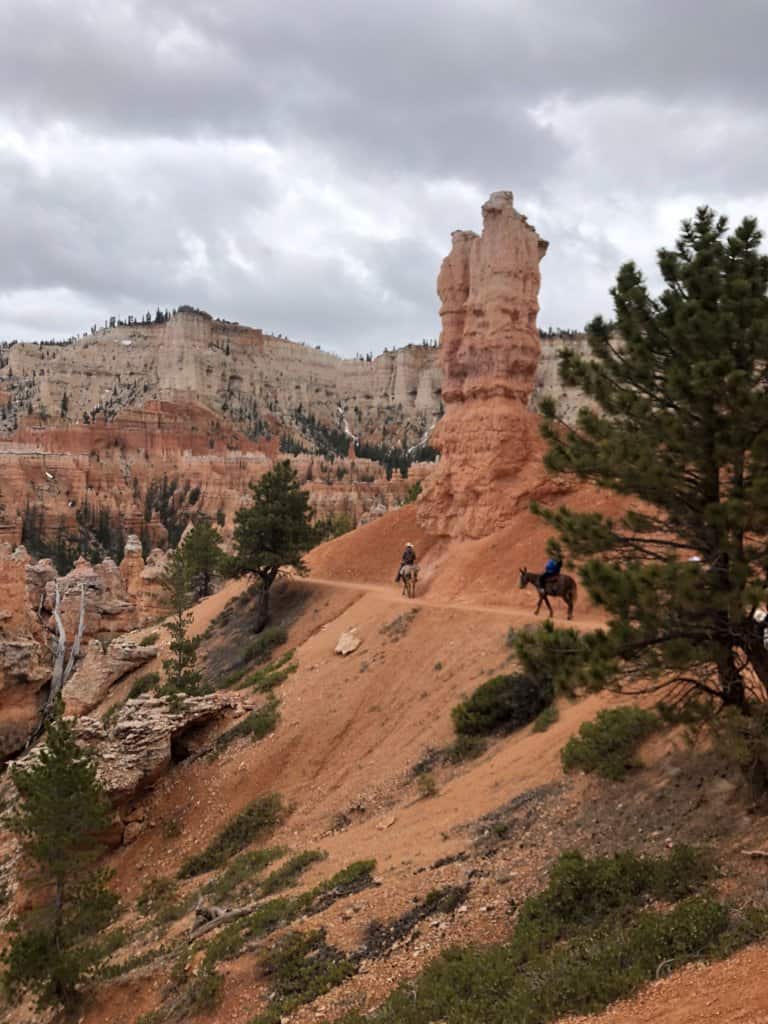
{"x": 549, "y": 606}
{"x": 569, "y": 602}
{"x": 538, "y": 606}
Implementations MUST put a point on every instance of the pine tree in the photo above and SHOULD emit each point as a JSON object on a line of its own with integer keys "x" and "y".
{"x": 273, "y": 532}
{"x": 61, "y": 812}
{"x": 679, "y": 421}
{"x": 203, "y": 555}
{"x": 181, "y": 675}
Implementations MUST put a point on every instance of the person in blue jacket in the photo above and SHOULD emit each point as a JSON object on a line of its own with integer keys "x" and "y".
{"x": 551, "y": 572}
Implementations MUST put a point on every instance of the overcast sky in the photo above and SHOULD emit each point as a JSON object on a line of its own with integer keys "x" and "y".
{"x": 299, "y": 165}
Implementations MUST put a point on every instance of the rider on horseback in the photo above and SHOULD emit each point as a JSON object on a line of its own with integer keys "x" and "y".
{"x": 409, "y": 558}
{"x": 551, "y": 572}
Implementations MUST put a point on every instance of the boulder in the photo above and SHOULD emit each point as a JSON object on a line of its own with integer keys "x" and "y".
{"x": 147, "y": 735}
{"x": 101, "y": 668}
{"x": 348, "y": 642}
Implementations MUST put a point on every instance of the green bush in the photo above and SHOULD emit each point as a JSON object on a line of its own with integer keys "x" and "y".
{"x": 149, "y": 640}
{"x": 743, "y": 740}
{"x": 232, "y": 937}
{"x": 427, "y": 785}
{"x": 204, "y": 991}
{"x": 265, "y": 679}
{"x": 301, "y": 966}
{"x": 283, "y": 910}
{"x": 259, "y": 650}
{"x": 584, "y": 891}
{"x": 290, "y": 872}
{"x": 412, "y": 493}
{"x": 256, "y": 821}
{"x": 255, "y": 726}
{"x": 160, "y": 899}
{"x": 580, "y": 945}
{"x": 608, "y": 745}
{"x": 501, "y": 704}
{"x": 466, "y": 748}
{"x": 545, "y": 718}
{"x": 143, "y": 684}
{"x": 244, "y": 868}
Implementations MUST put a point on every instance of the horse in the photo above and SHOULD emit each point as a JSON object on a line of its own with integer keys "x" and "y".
{"x": 559, "y": 586}
{"x": 409, "y": 574}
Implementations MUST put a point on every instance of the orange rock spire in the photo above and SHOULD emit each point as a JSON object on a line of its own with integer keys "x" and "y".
{"x": 489, "y": 346}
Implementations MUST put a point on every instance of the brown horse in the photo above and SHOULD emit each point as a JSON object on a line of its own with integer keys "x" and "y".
{"x": 409, "y": 574}
{"x": 558, "y": 586}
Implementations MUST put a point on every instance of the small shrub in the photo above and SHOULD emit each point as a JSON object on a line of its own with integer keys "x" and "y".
{"x": 412, "y": 493}
{"x": 232, "y": 937}
{"x": 743, "y": 739}
{"x": 266, "y": 679}
{"x": 301, "y": 967}
{"x": 351, "y": 878}
{"x": 143, "y": 685}
{"x": 259, "y": 650}
{"x": 244, "y": 868}
{"x": 278, "y": 912}
{"x": 204, "y": 991}
{"x": 501, "y": 704}
{"x": 257, "y": 820}
{"x": 149, "y": 640}
{"x": 607, "y": 745}
{"x": 111, "y": 714}
{"x": 545, "y": 718}
{"x": 398, "y": 627}
{"x": 160, "y": 900}
{"x": 255, "y": 726}
{"x": 172, "y": 828}
{"x": 438, "y": 666}
{"x": 289, "y": 873}
{"x": 466, "y": 748}
{"x": 427, "y": 784}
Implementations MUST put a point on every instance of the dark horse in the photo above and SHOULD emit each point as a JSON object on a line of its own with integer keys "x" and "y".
{"x": 558, "y": 586}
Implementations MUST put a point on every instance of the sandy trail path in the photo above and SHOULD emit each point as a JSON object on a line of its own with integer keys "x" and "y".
{"x": 393, "y": 595}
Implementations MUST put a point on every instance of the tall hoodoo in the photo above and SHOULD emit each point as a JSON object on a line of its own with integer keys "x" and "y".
{"x": 489, "y": 350}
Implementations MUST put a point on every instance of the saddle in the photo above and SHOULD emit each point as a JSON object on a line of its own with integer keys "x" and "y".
{"x": 551, "y": 585}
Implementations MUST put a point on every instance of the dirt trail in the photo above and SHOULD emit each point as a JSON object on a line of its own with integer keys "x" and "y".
{"x": 393, "y": 595}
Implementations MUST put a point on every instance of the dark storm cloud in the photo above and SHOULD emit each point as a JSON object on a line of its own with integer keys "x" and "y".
{"x": 300, "y": 165}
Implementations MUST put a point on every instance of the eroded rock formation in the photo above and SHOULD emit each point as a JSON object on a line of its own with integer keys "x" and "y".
{"x": 97, "y": 603}
{"x": 102, "y": 667}
{"x": 139, "y": 746}
{"x": 489, "y": 352}
{"x": 142, "y": 581}
{"x": 25, "y": 661}
{"x": 68, "y": 475}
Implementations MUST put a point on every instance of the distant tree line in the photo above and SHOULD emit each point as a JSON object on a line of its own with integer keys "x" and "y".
{"x": 559, "y": 332}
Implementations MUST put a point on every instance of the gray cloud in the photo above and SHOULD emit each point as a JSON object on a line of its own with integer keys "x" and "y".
{"x": 300, "y": 165}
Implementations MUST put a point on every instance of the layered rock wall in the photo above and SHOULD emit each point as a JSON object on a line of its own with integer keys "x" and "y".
{"x": 249, "y": 378}
{"x": 489, "y": 352}
{"x": 63, "y": 469}
{"x": 25, "y": 661}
